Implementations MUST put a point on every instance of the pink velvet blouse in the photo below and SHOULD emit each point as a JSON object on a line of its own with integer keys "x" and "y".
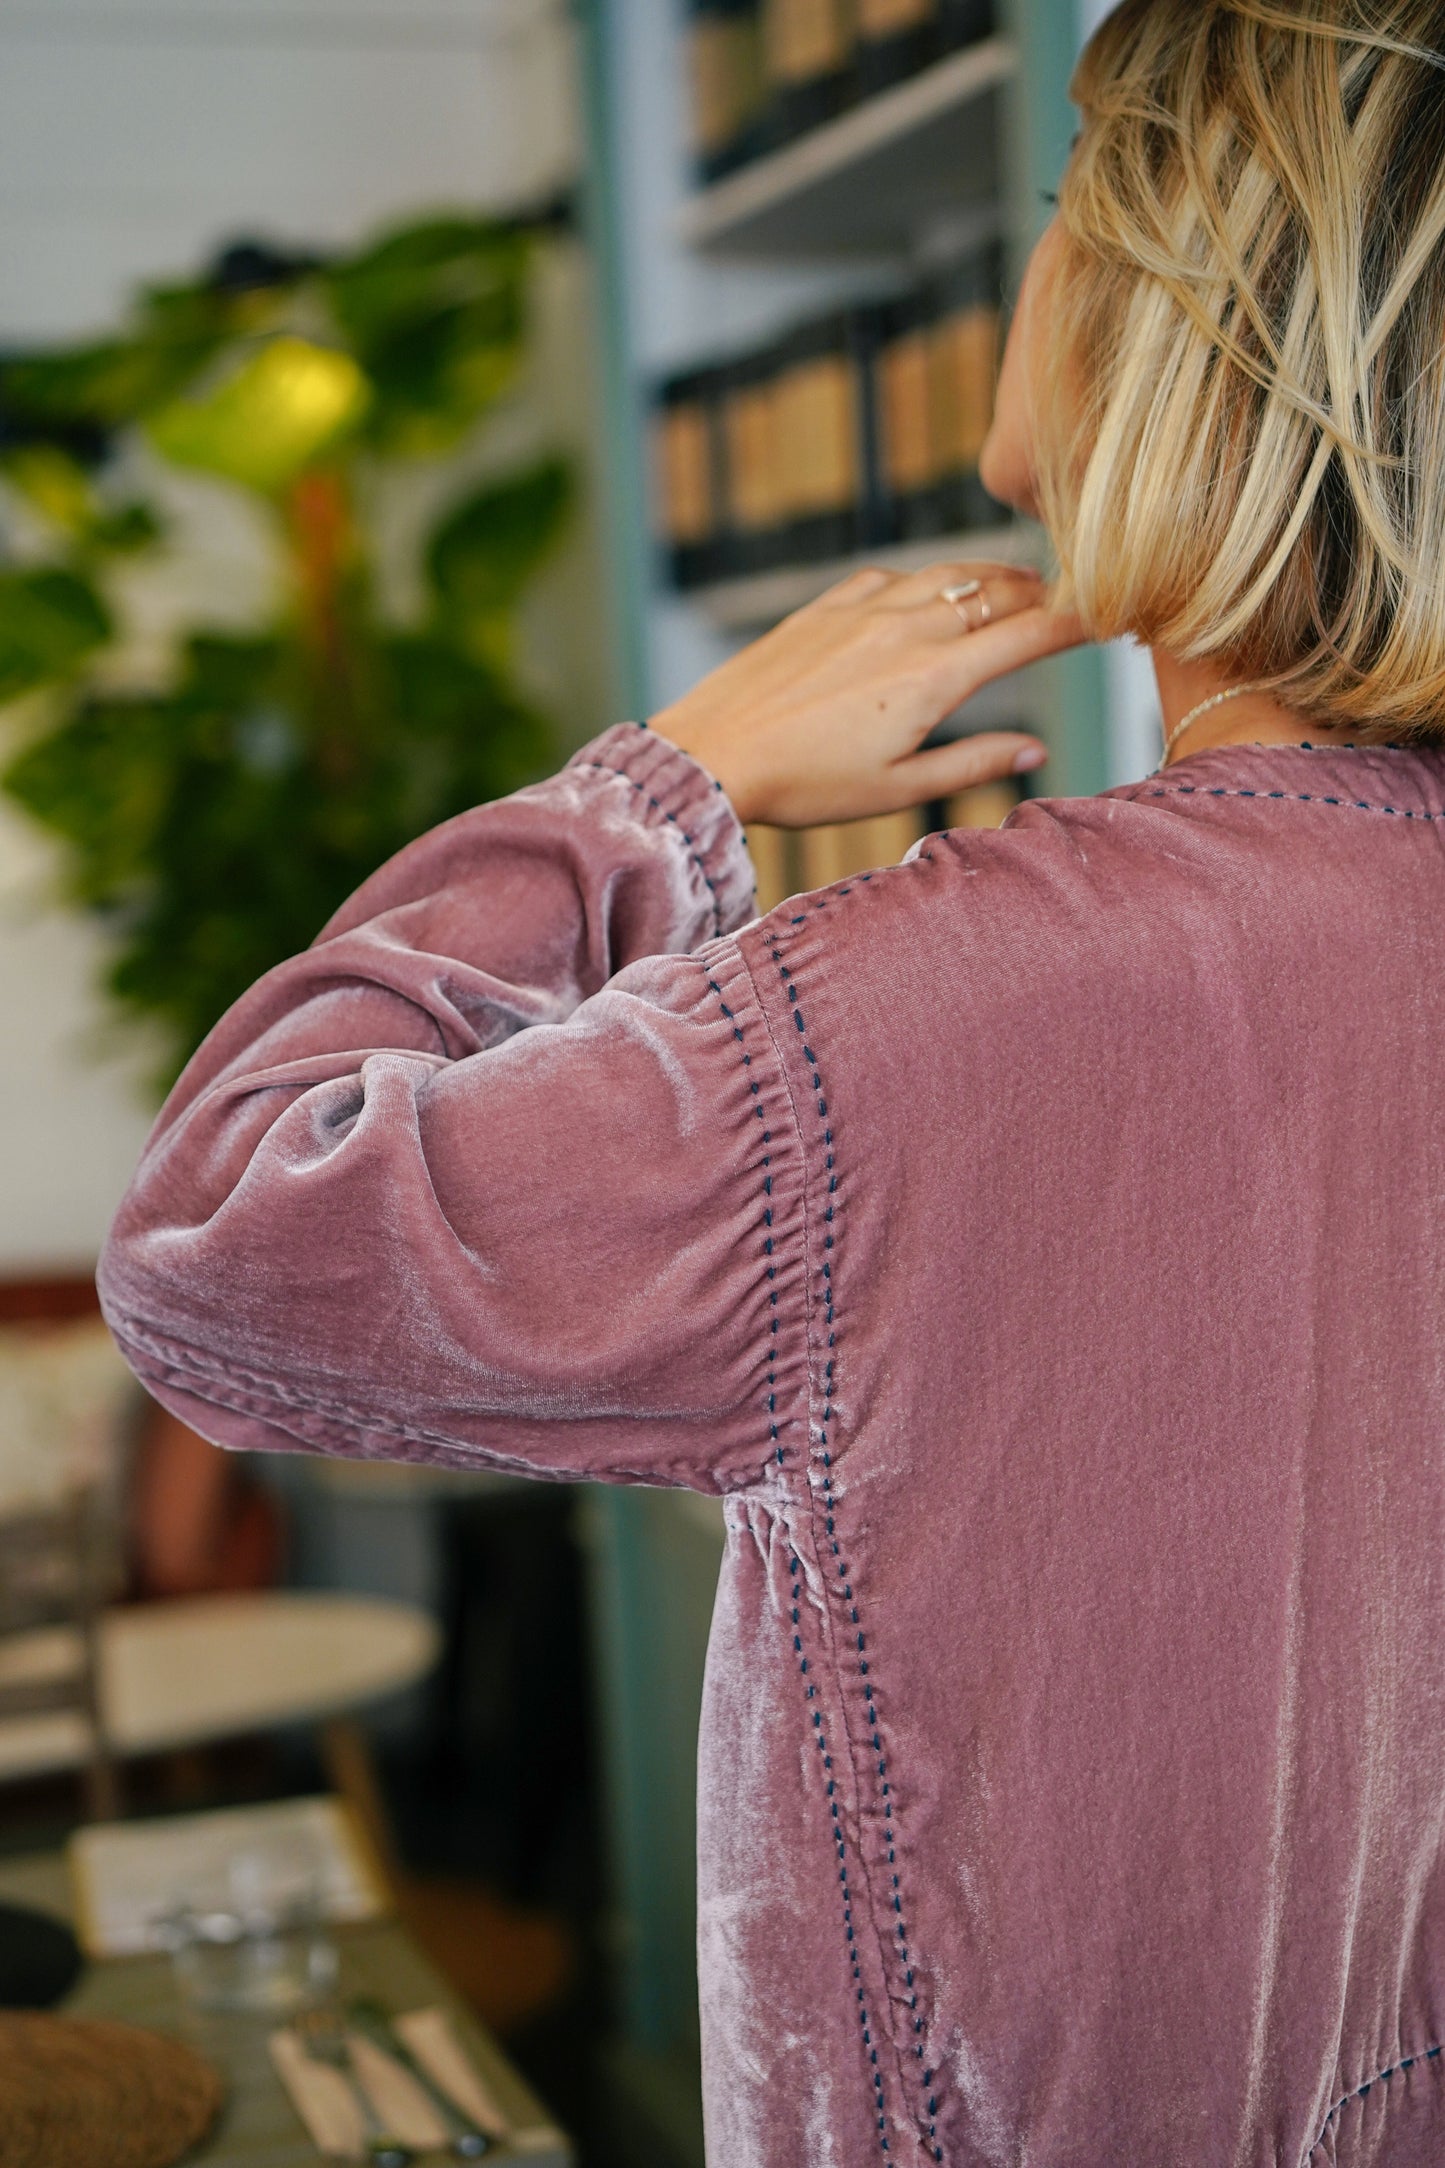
{"x": 1041, "y": 1248}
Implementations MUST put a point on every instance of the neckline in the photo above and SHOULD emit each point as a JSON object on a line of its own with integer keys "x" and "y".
{"x": 1393, "y": 774}
{"x": 1299, "y": 745}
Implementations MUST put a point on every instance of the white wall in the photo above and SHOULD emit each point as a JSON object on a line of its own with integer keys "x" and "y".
{"x": 136, "y": 135}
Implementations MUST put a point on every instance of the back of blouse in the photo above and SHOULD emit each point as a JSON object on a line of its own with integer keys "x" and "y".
{"x": 1041, "y": 1247}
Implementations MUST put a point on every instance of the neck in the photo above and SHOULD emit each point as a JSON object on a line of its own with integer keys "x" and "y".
{"x": 1254, "y": 718}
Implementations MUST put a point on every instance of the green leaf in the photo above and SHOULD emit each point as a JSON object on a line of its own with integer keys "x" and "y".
{"x": 469, "y": 735}
{"x": 227, "y": 671}
{"x": 437, "y": 315}
{"x": 58, "y": 487}
{"x": 286, "y": 405}
{"x": 110, "y": 383}
{"x": 130, "y": 527}
{"x": 196, "y": 315}
{"x": 53, "y": 483}
{"x": 215, "y": 825}
{"x": 101, "y": 780}
{"x": 435, "y": 380}
{"x": 100, "y": 387}
{"x": 487, "y": 549}
{"x": 49, "y": 622}
{"x": 435, "y": 264}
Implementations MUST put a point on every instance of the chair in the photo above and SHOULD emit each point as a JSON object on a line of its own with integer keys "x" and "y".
{"x": 66, "y": 1407}
{"x": 57, "y": 1565}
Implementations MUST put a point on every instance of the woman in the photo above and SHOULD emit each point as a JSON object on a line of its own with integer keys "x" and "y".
{"x": 1039, "y": 1246}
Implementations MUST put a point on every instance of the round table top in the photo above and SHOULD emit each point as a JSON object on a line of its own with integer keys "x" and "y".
{"x": 181, "y": 1673}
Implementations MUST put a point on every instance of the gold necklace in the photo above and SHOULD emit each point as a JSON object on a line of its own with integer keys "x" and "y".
{"x": 1217, "y": 700}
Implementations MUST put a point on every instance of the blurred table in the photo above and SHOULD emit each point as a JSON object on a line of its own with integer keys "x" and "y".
{"x": 258, "y": 2126}
{"x": 201, "y": 1668}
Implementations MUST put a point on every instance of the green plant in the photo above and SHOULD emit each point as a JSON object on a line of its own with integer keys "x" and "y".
{"x": 215, "y": 818}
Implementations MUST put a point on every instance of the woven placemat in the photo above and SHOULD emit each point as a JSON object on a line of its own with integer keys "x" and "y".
{"x": 80, "y": 2092}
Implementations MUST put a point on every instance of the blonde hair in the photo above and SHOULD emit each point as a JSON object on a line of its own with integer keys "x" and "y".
{"x": 1252, "y": 351}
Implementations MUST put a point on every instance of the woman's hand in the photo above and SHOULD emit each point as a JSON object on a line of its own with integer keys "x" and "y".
{"x": 822, "y": 719}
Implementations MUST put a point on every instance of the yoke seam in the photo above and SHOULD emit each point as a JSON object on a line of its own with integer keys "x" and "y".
{"x": 1406, "y": 2062}
{"x": 1299, "y": 797}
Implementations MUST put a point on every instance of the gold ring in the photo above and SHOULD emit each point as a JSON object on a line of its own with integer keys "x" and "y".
{"x": 965, "y": 592}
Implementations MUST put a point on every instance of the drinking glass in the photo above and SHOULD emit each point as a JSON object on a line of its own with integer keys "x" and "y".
{"x": 249, "y": 1934}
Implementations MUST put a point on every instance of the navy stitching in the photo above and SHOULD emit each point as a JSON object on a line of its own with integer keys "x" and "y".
{"x": 830, "y": 1502}
{"x": 810, "y": 1690}
{"x": 606, "y": 768}
{"x": 1303, "y": 797}
{"x": 767, "y": 1222}
{"x": 247, "y": 1393}
{"x": 842, "y": 1850}
{"x": 1408, "y": 2062}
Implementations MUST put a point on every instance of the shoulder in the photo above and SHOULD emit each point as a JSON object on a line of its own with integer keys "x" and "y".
{"x": 1053, "y": 862}
{"x": 1009, "y": 937}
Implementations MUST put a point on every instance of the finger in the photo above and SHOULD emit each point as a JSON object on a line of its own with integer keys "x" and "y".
{"x": 959, "y": 668}
{"x": 912, "y": 588}
{"x": 990, "y": 757}
{"x": 859, "y": 585}
{"x": 973, "y": 605}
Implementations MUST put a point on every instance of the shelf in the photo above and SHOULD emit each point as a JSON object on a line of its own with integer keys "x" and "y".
{"x": 866, "y": 183}
{"x": 748, "y": 605}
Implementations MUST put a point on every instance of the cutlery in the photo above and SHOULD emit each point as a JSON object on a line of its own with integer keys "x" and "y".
{"x": 323, "y": 2036}
{"x": 466, "y": 2141}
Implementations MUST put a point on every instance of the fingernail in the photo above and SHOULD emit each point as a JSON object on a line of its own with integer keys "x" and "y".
{"x": 1032, "y": 756}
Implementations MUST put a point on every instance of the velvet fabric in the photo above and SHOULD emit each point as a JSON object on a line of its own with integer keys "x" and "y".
{"x": 1040, "y": 1248}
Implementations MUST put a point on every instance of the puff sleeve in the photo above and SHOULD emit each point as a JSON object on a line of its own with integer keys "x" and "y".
{"x": 497, "y": 1172}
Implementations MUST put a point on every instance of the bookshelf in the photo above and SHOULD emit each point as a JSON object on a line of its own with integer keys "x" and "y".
{"x": 753, "y": 603}
{"x": 865, "y": 182}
